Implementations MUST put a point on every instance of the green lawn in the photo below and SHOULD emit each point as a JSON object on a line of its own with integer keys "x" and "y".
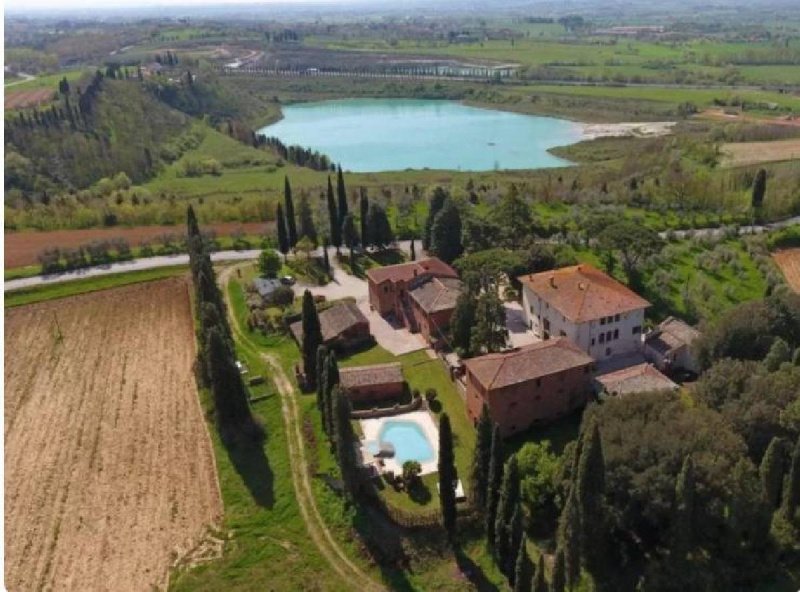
{"x": 74, "y": 287}
{"x": 50, "y": 80}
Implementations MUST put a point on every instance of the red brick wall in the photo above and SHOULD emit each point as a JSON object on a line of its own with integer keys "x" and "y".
{"x": 516, "y": 407}
{"x": 381, "y": 301}
{"x": 428, "y": 324}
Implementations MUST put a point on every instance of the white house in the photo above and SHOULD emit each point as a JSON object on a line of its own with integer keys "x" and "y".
{"x": 596, "y": 312}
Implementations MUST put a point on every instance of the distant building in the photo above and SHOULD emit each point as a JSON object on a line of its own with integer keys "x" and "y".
{"x": 419, "y": 295}
{"x": 343, "y": 327}
{"x": 376, "y": 382}
{"x": 533, "y": 384}
{"x": 634, "y": 379}
{"x": 669, "y": 346}
{"x": 597, "y": 313}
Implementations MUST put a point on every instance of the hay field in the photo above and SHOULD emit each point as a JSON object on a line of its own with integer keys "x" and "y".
{"x": 789, "y": 262}
{"x": 109, "y": 470}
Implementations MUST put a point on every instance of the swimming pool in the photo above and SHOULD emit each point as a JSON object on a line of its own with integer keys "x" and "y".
{"x": 408, "y": 439}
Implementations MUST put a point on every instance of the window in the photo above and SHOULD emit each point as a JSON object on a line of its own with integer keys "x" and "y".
{"x": 616, "y": 333}
{"x": 592, "y": 340}
{"x": 386, "y": 289}
{"x": 562, "y": 333}
{"x": 538, "y": 382}
{"x": 608, "y": 335}
{"x": 616, "y": 318}
{"x": 602, "y": 337}
{"x": 603, "y": 321}
{"x": 608, "y": 351}
{"x": 531, "y": 307}
{"x": 637, "y": 329}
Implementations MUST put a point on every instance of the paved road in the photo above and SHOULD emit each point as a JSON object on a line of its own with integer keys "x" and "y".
{"x": 123, "y": 267}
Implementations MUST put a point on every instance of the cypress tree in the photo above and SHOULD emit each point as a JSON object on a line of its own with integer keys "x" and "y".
{"x": 436, "y": 203}
{"x": 283, "y": 237}
{"x": 539, "y": 582}
{"x": 341, "y": 195}
{"x": 447, "y": 476}
{"x": 493, "y": 485}
{"x": 507, "y": 503}
{"x": 380, "y": 231}
{"x": 772, "y": 471}
{"x": 344, "y": 438}
{"x": 590, "y": 488}
{"x": 514, "y": 532}
{"x": 364, "y": 207}
{"x": 759, "y": 188}
{"x": 558, "y": 582}
{"x": 231, "y": 407}
{"x": 793, "y": 487}
{"x": 445, "y": 237}
{"x": 312, "y": 339}
{"x": 522, "y": 568}
{"x": 322, "y": 376}
{"x": 326, "y": 261}
{"x": 331, "y": 381}
{"x": 413, "y": 250}
{"x": 291, "y": 223}
{"x": 307, "y": 228}
{"x": 333, "y": 218}
{"x": 481, "y": 458}
{"x": 683, "y": 515}
{"x": 350, "y": 234}
{"x": 568, "y": 538}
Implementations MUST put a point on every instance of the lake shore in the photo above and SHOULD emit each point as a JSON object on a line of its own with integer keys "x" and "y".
{"x": 639, "y": 129}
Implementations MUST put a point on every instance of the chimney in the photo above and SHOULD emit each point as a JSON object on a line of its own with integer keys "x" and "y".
{"x": 553, "y": 281}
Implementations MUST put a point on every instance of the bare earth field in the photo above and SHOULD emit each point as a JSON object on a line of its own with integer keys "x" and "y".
{"x": 19, "y": 99}
{"x": 109, "y": 472}
{"x": 789, "y": 262}
{"x": 23, "y": 248}
{"x": 744, "y": 153}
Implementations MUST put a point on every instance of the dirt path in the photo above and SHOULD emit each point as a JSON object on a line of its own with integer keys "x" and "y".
{"x": 354, "y": 576}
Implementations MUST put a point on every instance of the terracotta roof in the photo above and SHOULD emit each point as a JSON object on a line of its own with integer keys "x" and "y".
{"x": 533, "y": 361}
{"x": 360, "y": 376}
{"x": 333, "y": 321}
{"x": 437, "y": 294}
{"x": 408, "y": 271}
{"x": 635, "y": 379}
{"x": 670, "y": 335}
{"x": 583, "y": 293}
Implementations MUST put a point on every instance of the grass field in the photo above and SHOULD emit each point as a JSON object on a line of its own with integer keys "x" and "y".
{"x": 747, "y": 153}
{"x": 94, "y": 284}
{"x": 107, "y": 480}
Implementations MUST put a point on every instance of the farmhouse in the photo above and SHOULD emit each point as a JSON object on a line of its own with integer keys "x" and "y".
{"x": 669, "y": 346}
{"x": 593, "y": 310}
{"x": 343, "y": 327}
{"x": 634, "y": 379}
{"x": 376, "y": 382}
{"x": 535, "y": 383}
{"x": 419, "y": 295}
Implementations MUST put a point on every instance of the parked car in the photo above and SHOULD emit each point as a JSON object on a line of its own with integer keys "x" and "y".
{"x": 288, "y": 280}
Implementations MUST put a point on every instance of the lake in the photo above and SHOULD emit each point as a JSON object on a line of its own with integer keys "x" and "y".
{"x": 371, "y": 135}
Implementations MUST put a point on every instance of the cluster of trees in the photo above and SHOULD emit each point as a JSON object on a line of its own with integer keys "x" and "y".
{"x": 495, "y": 490}
{"x": 442, "y": 232}
{"x": 334, "y": 407}
{"x": 169, "y": 58}
{"x": 216, "y": 362}
{"x": 298, "y": 155}
{"x": 55, "y": 260}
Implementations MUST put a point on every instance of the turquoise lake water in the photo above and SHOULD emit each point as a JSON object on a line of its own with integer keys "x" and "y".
{"x": 410, "y": 442}
{"x": 371, "y": 135}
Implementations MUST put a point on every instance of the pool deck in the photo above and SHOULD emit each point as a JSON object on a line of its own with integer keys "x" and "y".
{"x": 371, "y": 428}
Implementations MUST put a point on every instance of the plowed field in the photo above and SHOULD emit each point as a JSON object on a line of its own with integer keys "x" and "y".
{"x": 21, "y": 98}
{"x": 109, "y": 471}
{"x": 789, "y": 262}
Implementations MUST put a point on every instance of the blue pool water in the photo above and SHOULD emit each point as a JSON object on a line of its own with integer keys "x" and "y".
{"x": 410, "y": 442}
{"x": 370, "y": 135}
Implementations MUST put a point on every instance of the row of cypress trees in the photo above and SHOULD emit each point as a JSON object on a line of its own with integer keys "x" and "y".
{"x": 216, "y": 362}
